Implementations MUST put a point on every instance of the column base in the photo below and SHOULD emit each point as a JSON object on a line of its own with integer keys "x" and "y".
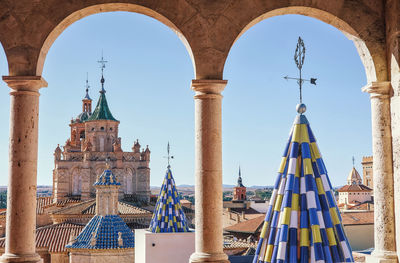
{"x": 381, "y": 257}
{"x": 198, "y": 257}
{"x": 21, "y": 258}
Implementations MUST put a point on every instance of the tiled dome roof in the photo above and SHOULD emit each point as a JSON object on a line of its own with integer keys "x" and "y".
{"x": 104, "y": 232}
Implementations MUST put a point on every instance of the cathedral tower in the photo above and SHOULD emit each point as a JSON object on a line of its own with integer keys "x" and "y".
{"x": 94, "y": 139}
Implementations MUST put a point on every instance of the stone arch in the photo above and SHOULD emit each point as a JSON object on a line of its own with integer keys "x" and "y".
{"x": 102, "y": 8}
{"x": 129, "y": 181}
{"x": 370, "y": 46}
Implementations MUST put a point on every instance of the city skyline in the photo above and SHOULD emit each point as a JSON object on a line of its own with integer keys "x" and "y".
{"x": 258, "y": 105}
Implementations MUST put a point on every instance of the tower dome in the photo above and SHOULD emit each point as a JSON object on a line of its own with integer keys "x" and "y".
{"x": 354, "y": 177}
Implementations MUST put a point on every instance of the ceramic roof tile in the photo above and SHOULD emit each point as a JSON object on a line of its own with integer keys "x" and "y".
{"x": 102, "y": 111}
{"x": 358, "y": 218}
{"x": 303, "y": 223}
{"x": 354, "y": 188}
{"x": 104, "y": 232}
{"x": 54, "y": 237}
{"x": 89, "y": 208}
{"x": 248, "y": 226}
{"x": 168, "y": 214}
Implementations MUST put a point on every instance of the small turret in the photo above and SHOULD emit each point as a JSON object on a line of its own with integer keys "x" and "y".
{"x": 107, "y": 193}
{"x": 136, "y": 147}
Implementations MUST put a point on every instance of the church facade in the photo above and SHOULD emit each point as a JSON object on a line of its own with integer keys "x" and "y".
{"x": 93, "y": 141}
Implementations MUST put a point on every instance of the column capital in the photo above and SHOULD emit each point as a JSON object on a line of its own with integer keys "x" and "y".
{"x": 208, "y": 87}
{"x": 378, "y": 89}
{"x": 25, "y": 83}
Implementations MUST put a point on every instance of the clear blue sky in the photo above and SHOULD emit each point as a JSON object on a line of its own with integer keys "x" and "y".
{"x": 148, "y": 89}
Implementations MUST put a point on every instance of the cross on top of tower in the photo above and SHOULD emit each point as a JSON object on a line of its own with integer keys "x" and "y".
{"x": 102, "y": 66}
{"x": 299, "y": 56}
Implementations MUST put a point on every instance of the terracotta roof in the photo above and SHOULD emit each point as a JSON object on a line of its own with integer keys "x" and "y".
{"x": 248, "y": 211}
{"x": 42, "y": 202}
{"x": 89, "y": 208}
{"x": 354, "y": 188}
{"x": 230, "y": 243}
{"x": 54, "y": 237}
{"x": 248, "y": 226}
{"x": 363, "y": 206}
{"x": 357, "y": 218}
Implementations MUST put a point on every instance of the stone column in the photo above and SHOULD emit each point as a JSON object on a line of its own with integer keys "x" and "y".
{"x": 384, "y": 227}
{"x": 208, "y": 171}
{"x": 23, "y": 148}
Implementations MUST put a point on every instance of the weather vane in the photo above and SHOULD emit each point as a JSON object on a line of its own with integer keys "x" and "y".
{"x": 299, "y": 56}
{"x": 102, "y": 66}
{"x": 169, "y": 156}
{"x": 87, "y": 82}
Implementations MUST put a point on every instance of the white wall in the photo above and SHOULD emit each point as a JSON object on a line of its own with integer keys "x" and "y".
{"x": 260, "y": 207}
{"x": 163, "y": 247}
{"x": 360, "y": 236}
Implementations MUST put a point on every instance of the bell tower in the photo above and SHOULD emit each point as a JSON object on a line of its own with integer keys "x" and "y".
{"x": 239, "y": 192}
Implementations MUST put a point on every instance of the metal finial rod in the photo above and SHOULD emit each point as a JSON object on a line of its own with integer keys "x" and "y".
{"x": 87, "y": 82}
{"x": 169, "y": 156}
{"x": 353, "y": 160}
{"x": 102, "y": 66}
{"x": 299, "y": 56}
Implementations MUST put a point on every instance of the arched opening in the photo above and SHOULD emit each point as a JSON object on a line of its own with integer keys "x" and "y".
{"x": 139, "y": 50}
{"x": 255, "y": 69}
{"x": 255, "y": 135}
{"x": 4, "y": 115}
{"x": 102, "y": 8}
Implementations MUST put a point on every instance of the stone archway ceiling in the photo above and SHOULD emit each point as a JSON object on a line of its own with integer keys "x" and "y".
{"x": 303, "y": 223}
{"x": 168, "y": 215}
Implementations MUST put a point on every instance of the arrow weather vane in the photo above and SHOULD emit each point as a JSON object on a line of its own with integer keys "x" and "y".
{"x": 169, "y": 157}
{"x": 299, "y": 56}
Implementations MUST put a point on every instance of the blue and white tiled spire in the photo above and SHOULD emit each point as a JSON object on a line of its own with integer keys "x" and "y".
{"x": 303, "y": 223}
{"x": 168, "y": 215}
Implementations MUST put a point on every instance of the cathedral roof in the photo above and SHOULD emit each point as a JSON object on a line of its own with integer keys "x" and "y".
{"x": 168, "y": 214}
{"x": 102, "y": 111}
{"x": 89, "y": 208}
{"x": 104, "y": 232}
{"x": 303, "y": 222}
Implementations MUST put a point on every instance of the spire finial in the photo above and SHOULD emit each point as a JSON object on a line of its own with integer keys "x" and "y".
{"x": 87, "y": 87}
{"x": 240, "y": 173}
{"x": 169, "y": 156}
{"x": 108, "y": 159}
{"x": 102, "y": 66}
{"x": 299, "y": 56}
{"x": 353, "y": 160}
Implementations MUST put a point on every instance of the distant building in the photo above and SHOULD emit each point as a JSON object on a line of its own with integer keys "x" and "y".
{"x": 354, "y": 192}
{"x": 93, "y": 139}
{"x": 239, "y": 192}
{"x": 368, "y": 172}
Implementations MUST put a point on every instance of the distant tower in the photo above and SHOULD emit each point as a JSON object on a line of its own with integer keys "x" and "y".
{"x": 239, "y": 192}
{"x": 368, "y": 173}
